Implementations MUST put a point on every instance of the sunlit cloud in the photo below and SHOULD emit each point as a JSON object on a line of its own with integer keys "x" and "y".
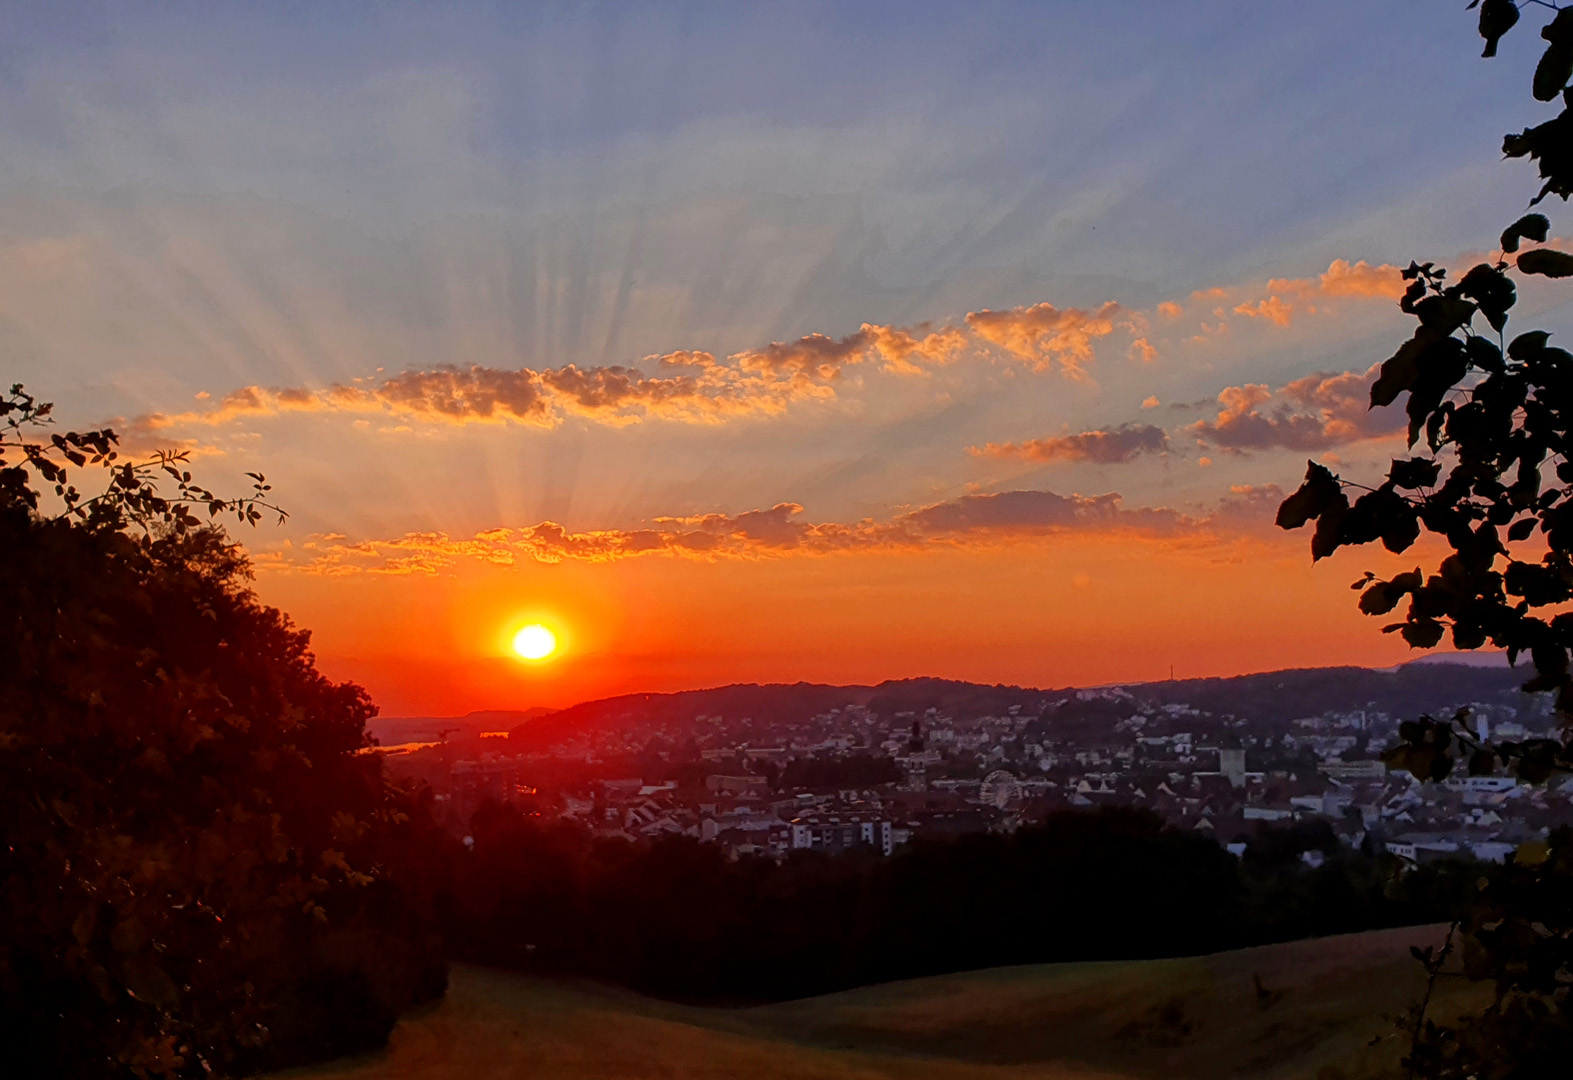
{"x": 1143, "y": 351}
{"x": 899, "y": 350}
{"x": 1044, "y": 335}
{"x": 906, "y": 353}
{"x": 1342, "y": 278}
{"x": 1274, "y": 309}
{"x": 694, "y": 386}
{"x": 1011, "y": 513}
{"x": 1290, "y": 297}
{"x": 1105, "y": 446}
{"x": 476, "y": 394}
{"x": 1282, "y": 301}
{"x": 1312, "y": 413}
{"x": 690, "y": 385}
{"x": 971, "y": 520}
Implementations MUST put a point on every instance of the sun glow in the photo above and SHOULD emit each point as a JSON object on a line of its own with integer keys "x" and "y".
{"x": 535, "y": 642}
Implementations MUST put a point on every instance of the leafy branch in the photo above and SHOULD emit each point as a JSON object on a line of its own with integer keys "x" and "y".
{"x": 131, "y": 495}
{"x": 1425, "y": 1035}
{"x": 1498, "y": 413}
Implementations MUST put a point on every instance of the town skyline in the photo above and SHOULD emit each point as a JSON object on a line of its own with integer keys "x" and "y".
{"x": 772, "y": 770}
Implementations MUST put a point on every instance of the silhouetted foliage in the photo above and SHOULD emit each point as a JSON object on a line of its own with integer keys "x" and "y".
{"x": 196, "y": 869}
{"x": 1495, "y": 413}
{"x": 1515, "y": 934}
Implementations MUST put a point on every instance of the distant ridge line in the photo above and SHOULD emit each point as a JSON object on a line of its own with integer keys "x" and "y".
{"x": 1484, "y": 662}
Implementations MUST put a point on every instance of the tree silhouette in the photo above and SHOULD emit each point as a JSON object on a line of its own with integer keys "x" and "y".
{"x": 1495, "y": 413}
{"x": 197, "y": 871}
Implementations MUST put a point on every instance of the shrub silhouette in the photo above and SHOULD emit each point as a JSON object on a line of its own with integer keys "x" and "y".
{"x": 196, "y": 868}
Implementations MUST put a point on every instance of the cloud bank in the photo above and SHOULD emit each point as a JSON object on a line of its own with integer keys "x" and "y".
{"x": 693, "y": 385}
{"x": 696, "y": 386}
{"x": 975, "y": 520}
{"x": 478, "y": 394}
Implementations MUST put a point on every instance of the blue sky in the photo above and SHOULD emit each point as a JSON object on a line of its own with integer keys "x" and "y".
{"x": 1233, "y": 128}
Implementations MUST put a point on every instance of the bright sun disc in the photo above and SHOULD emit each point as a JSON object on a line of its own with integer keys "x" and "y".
{"x": 535, "y": 642}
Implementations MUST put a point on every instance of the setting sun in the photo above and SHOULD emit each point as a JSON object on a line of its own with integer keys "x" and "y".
{"x": 535, "y": 642}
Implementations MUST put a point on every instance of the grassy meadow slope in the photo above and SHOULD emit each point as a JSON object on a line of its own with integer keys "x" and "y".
{"x": 1305, "y": 1009}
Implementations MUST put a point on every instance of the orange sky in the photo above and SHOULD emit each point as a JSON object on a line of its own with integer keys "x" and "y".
{"x": 1035, "y": 494}
{"x": 1045, "y": 612}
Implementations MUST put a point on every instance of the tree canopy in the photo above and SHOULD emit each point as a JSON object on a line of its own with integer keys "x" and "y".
{"x": 1491, "y": 412}
{"x": 1490, "y": 468}
{"x": 199, "y": 869}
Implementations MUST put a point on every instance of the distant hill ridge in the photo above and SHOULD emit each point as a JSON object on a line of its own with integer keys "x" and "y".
{"x": 1410, "y": 689}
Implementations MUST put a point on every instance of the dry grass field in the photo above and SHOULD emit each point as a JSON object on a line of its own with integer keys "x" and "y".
{"x": 1306, "y": 1009}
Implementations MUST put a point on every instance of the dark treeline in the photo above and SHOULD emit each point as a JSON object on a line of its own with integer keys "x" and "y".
{"x": 677, "y": 919}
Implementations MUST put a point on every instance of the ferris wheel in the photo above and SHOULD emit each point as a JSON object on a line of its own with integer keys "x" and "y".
{"x": 999, "y": 787}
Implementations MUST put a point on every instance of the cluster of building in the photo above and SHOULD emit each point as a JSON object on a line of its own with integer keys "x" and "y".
{"x": 851, "y": 778}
